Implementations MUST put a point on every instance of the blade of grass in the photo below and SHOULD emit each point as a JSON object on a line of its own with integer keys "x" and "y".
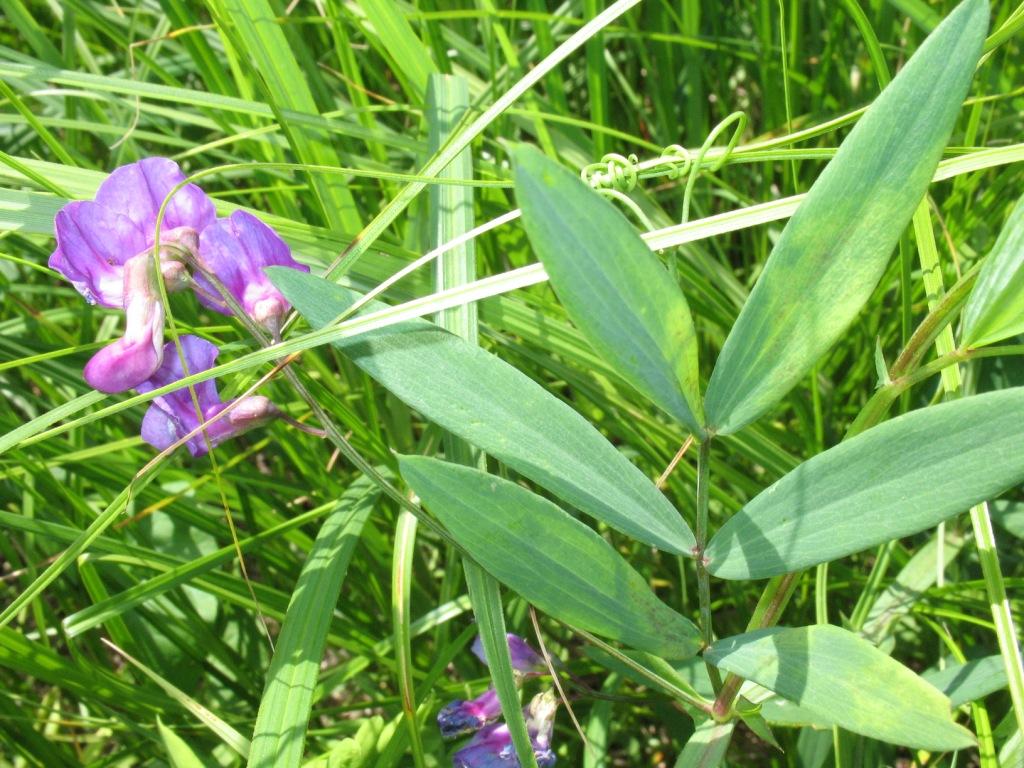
{"x": 283, "y": 718}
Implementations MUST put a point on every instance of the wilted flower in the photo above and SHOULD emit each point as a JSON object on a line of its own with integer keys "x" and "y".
{"x": 526, "y": 661}
{"x": 236, "y": 250}
{"x": 96, "y": 238}
{"x": 540, "y": 722}
{"x": 461, "y": 717}
{"x": 172, "y": 416}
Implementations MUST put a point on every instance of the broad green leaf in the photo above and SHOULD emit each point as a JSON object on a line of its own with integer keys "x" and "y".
{"x": 707, "y": 745}
{"x": 611, "y": 284}
{"x": 971, "y": 680}
{"x": 283, "y": 717}
{"x": 845, "y": 681}
{"x": 836, "y": 246}
{"x": 896, "y": 479}
{"x": 489, "y": 403}
{"x": 995, "y": 310}
{"x": 553, "y": 560}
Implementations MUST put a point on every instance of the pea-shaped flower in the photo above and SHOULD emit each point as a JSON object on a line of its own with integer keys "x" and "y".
{"x": 104, "y": 248}
{"x": 235, "y": 250}
{"x": 525, "y": 661}
{"x": 96, "y": 238}
{"x": 459, "y": 718}
{"x": 172, "y": 416}
{"x": 492, "y": 746}
{"x": 138, "y": 353}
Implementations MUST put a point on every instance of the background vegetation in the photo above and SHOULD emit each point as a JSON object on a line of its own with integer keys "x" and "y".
{"x": 238, "y": 85}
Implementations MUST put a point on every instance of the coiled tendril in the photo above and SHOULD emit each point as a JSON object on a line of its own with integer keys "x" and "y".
{"x": 615, "y": 176}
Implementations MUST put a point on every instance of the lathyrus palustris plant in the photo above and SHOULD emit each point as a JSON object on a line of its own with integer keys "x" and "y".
{"x": 887, "y": 480}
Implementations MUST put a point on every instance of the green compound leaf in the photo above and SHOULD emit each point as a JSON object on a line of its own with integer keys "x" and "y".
{"x": 896, "y": 479}
{"x": 612, "y": 285}
{"x": 995, "y": 310}
{"x": 487, "y": 402}
{"x": 845, "y": 681}
{"x": 834, "y": 250}
{"x": 553, "y": 560}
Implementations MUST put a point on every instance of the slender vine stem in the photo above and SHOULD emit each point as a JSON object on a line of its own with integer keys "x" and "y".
{"x": 701, "y": 533}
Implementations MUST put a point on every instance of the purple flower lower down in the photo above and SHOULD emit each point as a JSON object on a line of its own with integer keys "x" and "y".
{"x": 492, "y": 746}
{"x": 236, "y": 250}
{"x": 96, "y": 238}
{"x": 172, "y": 416}
{"x": 459, "y": 718}
{"x": 526, "y": 661}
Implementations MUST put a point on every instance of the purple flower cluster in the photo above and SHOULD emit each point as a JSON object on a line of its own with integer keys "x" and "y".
{"x": 491, "y": 745}
{"x": 105, "y": 249}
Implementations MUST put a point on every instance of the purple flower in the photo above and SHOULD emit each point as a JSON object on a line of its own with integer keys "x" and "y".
{"x": 96, "y": 238}
{"x": 461, "y": 717}
{"x": 492, "y": 746}
{"x": 236, "y": 250}
{"x": 525, "y": 660}
{"x": 134, "y": 357}
{"x": 172, "y": 416}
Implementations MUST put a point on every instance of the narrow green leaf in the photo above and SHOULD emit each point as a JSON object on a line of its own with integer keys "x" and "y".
{"x": 813, "y": 746}
{"x": 283, "y": 716}
{"x": 258, "y": 34}
{"x": 484, "y": 400}
{"x": 485, "y": 593}
{"x": 995, "y": 310}
{"x": 612, "y": 285}
{"x": 551, "y": 559}
{"x": 896, "y": 479}
{"x": 1010, "y": 516}
{"x": 707, "y": 746}
{"x": 224, "y": 731}
{"x": 398, "y": 43}
{"x": 846, "y": 681}
{"x": 909, "y": 586}
{"x": 835, "y": 248}
{"x": 33, "y": 659}
{"x": 179, "y": 753}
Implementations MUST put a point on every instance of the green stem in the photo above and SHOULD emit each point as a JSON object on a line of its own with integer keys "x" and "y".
{"x": 769, "y": 608}
{"x": 984, "y": 536}
{"x": 938, "y": 318}
{"x": 401, "y": 591}
{"x": 701, "y": 534}
{"x": 1006, "y": 632}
